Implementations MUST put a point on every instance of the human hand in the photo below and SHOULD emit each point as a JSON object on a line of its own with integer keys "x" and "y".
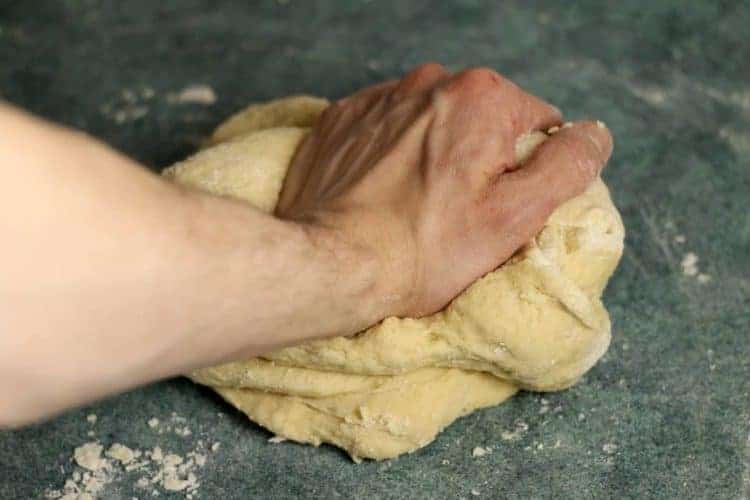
{"x": 420, "y": 173}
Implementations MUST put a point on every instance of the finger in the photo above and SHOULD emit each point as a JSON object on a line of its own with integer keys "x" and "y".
{"x": 422, "y": 78}
{"x": 373, "y": 91}
{"x": 533, "y": 114}
{"x": 561, "y": 168}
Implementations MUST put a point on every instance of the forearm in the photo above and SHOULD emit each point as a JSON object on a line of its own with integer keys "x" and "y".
{"x": 114, "y": 277}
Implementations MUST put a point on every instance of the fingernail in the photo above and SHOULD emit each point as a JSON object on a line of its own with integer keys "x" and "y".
{"x": 567, "y": 124}
{"x": 552, "y": 130}
{"x": 600, "y": 124}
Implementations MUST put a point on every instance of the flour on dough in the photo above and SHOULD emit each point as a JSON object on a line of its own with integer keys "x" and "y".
{"x": 535, "y": 323}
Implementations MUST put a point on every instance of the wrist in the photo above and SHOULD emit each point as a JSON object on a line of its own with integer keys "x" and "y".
{"x": 360, "y": 275}
{"x": 375, "y": 255}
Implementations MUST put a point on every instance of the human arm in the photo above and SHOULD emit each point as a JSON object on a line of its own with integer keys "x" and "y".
{"x": 402, "y": 195}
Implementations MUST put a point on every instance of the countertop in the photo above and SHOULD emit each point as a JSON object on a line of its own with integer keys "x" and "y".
{"x": 665, "y": 414}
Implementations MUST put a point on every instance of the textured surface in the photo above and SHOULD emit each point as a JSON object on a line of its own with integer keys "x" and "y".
{"x": 671, "y": 398}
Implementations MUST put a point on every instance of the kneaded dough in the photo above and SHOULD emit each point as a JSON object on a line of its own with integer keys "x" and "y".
{"x": 536, "y": 323}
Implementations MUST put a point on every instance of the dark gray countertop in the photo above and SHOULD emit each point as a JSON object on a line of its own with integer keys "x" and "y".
{"x": 665, "y": 414}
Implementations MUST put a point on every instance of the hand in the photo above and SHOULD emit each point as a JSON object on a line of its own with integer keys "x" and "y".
{"x": 420, "y": 173}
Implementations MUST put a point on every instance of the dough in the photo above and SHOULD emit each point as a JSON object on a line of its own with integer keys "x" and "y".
{"x": 535, "y": 323}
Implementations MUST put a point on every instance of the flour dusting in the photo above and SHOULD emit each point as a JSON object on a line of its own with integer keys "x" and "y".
{"x": 100, "y": 471}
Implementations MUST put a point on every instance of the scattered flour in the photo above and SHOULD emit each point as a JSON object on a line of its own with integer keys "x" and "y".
{"x": 690, "y": 264}
{"x": 193, "y": 94}
{"x": 182, "y": 431}
{"x": 122, "y": 453}
{"x": 520, "y": 429}
{"x": 277, "y": 439}
{"x": 480, "y": 452}
{"x": 91, "y": 418}
{"x": 545, "y": 406}
{"x": 154, "y": 471}
{"x": 129, "y": 106}
{"x": 174, "y": 424}
{"x": 89, "y": 456}
{"x": 609, "y": 448}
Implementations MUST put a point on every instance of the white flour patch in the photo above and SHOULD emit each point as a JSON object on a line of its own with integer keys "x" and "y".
{"x": 89, "y": 456}
{"x": 129, "y": 106}
{"x": 690, "y": 267}
{"x": 193, "y": 94}
{"x": 175, "y": 424}
{"x": 520, "y": 429}
{"x": 100, "y": 472}
{"x": 480, "y": 451}
{"x": 690, "y": 264}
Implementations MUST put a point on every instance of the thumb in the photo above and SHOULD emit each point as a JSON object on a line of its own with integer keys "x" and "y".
{"x": 564, "y": 165}
{"x": 561, "y": 168}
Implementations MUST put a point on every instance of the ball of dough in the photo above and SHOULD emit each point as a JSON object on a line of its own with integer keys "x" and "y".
{"x": 536, "y": 323}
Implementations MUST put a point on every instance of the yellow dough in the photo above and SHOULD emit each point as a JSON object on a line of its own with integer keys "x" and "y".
{"x": 535, "y": 323}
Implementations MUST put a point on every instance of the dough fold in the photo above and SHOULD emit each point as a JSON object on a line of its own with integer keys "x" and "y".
{"x": 535, "y": 323}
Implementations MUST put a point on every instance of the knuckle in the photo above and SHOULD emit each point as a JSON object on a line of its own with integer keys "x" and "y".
{"x": 479, "y": 77}
{"x": 475, "y": 81}
{"x": 418, "y": 77}
{"x": 428, "y": 68}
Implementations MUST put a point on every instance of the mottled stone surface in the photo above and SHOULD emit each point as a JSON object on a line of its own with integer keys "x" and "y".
{"x": 667, "y": 411}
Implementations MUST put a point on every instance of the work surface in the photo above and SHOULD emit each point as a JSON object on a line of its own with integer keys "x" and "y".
{"x": 666, "y": 413}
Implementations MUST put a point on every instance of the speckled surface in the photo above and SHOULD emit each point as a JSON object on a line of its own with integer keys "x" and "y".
{"x": 666, "y": 414}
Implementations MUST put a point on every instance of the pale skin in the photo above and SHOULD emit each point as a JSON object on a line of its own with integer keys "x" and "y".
{"x": 400, "y": 197}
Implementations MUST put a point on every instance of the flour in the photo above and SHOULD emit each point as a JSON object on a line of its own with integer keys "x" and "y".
{"x": 609, "y": 448}
{"x": 521, "y": 428}
{"x": 689, "y": 265}
{"x": 100, "y": 470}
{"x": 193, "y": 94}
{"x": 89, "y": 456}
{"x": 174, "y": 424}
{"x": 129, "y": 106}
{"x": 122, "y": 453}
{"x": 480, "y": 451}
